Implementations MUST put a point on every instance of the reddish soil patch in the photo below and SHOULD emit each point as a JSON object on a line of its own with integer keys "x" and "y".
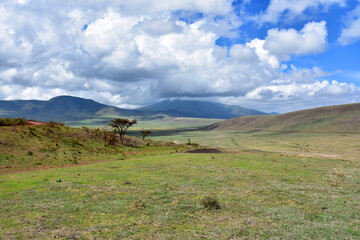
{"x": 36, "y": 123}
{"x": 204, "y": 150}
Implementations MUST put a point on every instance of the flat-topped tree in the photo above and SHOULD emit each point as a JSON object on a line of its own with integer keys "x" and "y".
{"x": 144, "y": 133}
{"x": 121, "y": 125}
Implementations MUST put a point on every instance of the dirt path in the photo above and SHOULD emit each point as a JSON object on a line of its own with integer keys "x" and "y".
{"x": 13, "y": 169}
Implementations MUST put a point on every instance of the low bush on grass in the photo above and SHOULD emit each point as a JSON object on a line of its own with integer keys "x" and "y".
{"x": 210, "y": 203}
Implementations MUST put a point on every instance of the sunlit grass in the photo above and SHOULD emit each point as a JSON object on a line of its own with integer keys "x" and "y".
{"x": 160, "y": 197}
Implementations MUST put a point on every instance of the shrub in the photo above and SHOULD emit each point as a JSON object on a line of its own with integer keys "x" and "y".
{"x": 210, "y": 203}
{"x": 56, "y": 124}
{"x": 13, "y": 122}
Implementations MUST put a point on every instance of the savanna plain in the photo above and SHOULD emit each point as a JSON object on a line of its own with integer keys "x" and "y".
{"x": 59, "y": 182}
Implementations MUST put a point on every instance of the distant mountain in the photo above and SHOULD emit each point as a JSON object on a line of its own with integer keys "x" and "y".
{"x": 199, "y": 109}
{"x": 340, "y": 118}
{"x": 62, "y": 108}
{"x": 68, "y": 108}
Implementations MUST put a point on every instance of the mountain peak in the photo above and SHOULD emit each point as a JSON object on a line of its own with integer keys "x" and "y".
{"x": 199, "y": 109}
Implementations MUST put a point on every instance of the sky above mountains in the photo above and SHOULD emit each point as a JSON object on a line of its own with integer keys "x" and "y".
{"x": 277, "y": 55}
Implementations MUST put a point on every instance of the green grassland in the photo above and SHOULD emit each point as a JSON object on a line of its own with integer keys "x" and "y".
{"x": 269, "y": 185}
{"x": 262, "y": 196}
{"x": 342, "y": 146}
{"x": 155, "y": 123}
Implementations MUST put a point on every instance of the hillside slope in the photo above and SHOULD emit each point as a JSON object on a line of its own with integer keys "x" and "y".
{"x": 199, "y": 109}
{"x": 341, "y": 118}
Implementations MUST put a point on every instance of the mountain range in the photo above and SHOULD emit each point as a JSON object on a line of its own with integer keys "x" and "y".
{"x": 68, "y": 108}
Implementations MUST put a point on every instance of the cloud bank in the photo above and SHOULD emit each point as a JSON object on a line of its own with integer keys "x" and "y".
{"x": 131, "y": 53}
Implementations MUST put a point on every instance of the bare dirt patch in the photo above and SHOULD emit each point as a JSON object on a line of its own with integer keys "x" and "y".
{"x": 204, "y": 150}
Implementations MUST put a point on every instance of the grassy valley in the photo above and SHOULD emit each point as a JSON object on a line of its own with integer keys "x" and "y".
{"x": 281, "y": 182}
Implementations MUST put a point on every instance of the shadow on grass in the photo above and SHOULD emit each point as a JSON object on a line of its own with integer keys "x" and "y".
{"x": 170, "y": 132}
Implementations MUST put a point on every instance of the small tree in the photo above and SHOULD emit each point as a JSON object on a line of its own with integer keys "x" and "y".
{"x": 108, "y": 136}
{"x": 121, "y": 125}
{"x": 144, "y": 133}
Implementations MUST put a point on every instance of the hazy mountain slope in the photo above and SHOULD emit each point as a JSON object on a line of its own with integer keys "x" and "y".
{"x": 199, "y": 109}
{"x": 341, "y": 118}
{"x": 67, "y": 108}
{"x": 62, "y": 108}
{"x": 13, "y": 108}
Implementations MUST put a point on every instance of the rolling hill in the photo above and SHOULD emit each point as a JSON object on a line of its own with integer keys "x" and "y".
{"x": 68, "y": 108}
{"x": 341, "y": 118}
{"x": 199, "y": 109}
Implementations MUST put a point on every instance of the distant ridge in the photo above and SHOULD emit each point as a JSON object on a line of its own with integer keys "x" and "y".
{"x": 340, "y": 118}
{"x": 69, "y": 108}
{"x": 199, "y": 109}
{"x": 61, "y": 108}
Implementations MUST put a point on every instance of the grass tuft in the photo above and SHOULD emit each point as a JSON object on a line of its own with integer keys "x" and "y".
{"x": 340, "y": 172}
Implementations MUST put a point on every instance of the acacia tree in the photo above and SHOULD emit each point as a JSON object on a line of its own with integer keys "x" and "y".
{"x": 144, "y": 133}
{"x": 121, "y": 125}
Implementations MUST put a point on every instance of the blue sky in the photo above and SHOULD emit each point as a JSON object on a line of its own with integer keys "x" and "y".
{"x": 276, "y": 55}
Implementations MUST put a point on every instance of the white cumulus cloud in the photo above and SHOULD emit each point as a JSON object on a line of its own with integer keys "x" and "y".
{"x": 130, "y": 53}
{"x": 351, "y": 32}
{"x": 284, "y": 43}
{"x": 293, "y": 8}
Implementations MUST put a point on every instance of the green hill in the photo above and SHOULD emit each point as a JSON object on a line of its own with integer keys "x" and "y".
{"x": 341, "y": 118}
{"x": 53, "y": 145}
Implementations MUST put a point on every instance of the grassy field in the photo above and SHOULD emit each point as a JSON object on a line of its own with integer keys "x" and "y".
{"x": 328, "y": 145}
{"x": 164, "y": 123}
{"x": 261, "y": 196}
{"x": 269, "y": 185}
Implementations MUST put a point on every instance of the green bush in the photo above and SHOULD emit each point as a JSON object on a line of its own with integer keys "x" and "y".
{"x": 13, "y": 122}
